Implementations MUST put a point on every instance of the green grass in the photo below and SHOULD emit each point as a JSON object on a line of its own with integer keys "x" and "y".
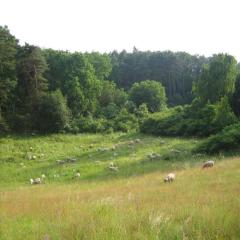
{"x": 132, "y": 203}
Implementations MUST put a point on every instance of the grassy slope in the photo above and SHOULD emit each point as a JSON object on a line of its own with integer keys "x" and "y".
{"x": 131, "y": 204}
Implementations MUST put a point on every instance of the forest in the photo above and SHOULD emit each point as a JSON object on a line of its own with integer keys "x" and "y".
{"x": 164, "y": 93}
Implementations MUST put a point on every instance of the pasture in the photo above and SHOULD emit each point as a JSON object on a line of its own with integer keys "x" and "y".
{"x": 131, "y": 203}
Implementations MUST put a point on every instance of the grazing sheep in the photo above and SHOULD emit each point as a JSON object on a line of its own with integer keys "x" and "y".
{"x": 61, "y": 161}
{"x": 169, "y": 178}
{"x": 77, "y": 175}
{"x": 208, "y": 164}
{"x": 71, "y": 160}
{"x": 113, "y": 167}
{"x": 153, "y": 156}
{"x": 175, "y": 151}
{"x": 137, "y": 140}
{"x": 36, "y": 181}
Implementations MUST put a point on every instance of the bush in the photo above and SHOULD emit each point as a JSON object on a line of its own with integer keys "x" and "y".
{"x": 227, "y": 139}
{"x": 125, "y": 121}
{"x": 110, "y": 111}
{"x": 52, "y": 114}
{"x": 190, "y": 120}
{"x": 89, "y": 124}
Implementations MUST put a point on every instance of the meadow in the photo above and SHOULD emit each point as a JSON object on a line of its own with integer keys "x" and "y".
{"x": 131, "y": 203}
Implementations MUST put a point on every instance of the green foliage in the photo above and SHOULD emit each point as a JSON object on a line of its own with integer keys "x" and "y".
{"x": 224, "y": 115}
{"x": 142, "y": 111}
{"x": 31, "y": 66}
{"x": 8, "y": 49}
{"x": 111, "y": 94}
{"x": 52, "y": 114}
{"x": 125, "y": 121}
{"x": 75, "y": 97}
{"x": 31, "y": 84}
{"x": 235, "y": 99}
{"x": 217, "y": 79}
{"x": 131, "y": 106}
{"x": 175, "y": 71}
{"x": 110, "y": 111}
{"x": 76, "y": 77}
{"x": 193, "y": 120}
{"x": 226, "y": 140}
{"x": 101, "y": 64}
{"x": 89, "y": 124}
{"x": 151, "y": 93}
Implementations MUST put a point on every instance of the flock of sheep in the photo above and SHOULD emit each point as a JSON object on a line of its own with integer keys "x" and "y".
{"x": 167, "y": 179}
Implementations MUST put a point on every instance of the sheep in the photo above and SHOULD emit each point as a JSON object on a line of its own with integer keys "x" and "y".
{"x": 71, "y": 160}
{"x": 61, "y": 161}
{"x": 153, "y": 156}
{"x": 169, "y": 178}
{"x": 77, "y": 175}
{"x": 112, "y": 167}
{"x": 36, "y": 181}
{"x": 208, "y": 164}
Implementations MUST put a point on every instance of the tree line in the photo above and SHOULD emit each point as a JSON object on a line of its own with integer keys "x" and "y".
{"x": 46, "y": 90}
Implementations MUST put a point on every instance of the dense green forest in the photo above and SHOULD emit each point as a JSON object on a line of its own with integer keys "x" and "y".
{"x": 165, "y": 93}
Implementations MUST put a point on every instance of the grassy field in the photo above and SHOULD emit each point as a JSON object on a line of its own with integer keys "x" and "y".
{"x": 132, "y": 203}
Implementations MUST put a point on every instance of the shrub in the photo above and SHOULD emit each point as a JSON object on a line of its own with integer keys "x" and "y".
{"x": 110, "y": 111}
{"x": 89, "y": 124}
{"x": 125, "y": 121}
{"x": 190, "y": 120}
{"x": 227, "y": 139}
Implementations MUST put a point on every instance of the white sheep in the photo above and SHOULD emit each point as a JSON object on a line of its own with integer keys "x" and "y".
{"x": 77, "y": 175}
{"x": 169, "y": 178}
{"x": 36, "y": 181}
{"x": 113, "y": 167}
{"x": 208, "y": 164}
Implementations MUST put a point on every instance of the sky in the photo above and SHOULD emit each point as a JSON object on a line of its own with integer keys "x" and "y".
{"x": 201, "y": 27}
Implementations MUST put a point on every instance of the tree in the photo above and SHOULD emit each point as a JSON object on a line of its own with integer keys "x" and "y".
{"x": 101, "y": 64}
{"x": 31, "y": 84}
{"x": 217, "y": 79}
{"x": 31, "y": 66}
{"x": 75, "y": 97}
{"x": 8, "y": 49}
{"x": 111, "y": 94}
{"x": 76, "y": 77}
{"x": 52, "y": 113}
{"x": 151, "y": 93}
{"x": 176, "y": 71}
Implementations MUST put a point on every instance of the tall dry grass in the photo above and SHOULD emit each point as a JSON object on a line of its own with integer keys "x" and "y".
{"x": 200, "y": 204}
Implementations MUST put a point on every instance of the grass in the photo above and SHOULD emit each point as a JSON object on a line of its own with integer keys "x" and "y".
{"x": 133, "y": 203}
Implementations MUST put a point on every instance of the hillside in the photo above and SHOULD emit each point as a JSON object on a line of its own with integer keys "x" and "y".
{"x": 131, "y": 203}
